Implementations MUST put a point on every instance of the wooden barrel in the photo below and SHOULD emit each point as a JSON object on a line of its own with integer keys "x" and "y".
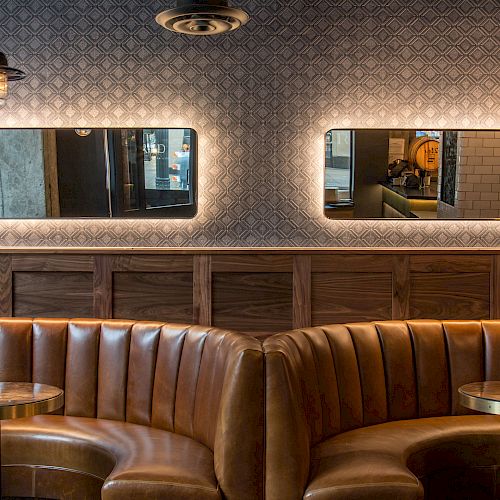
{"x": 424, "y": 153}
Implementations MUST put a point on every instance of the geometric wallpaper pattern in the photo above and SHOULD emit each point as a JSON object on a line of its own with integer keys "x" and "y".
{"x": 261, "y": 100}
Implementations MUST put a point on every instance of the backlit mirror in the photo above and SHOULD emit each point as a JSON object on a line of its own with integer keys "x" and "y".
{"x": 98, "y": 173}
{"x": 413, "y": 174}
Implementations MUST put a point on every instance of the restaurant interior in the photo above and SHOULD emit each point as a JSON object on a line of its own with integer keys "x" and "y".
{"x": 249, "y": 250}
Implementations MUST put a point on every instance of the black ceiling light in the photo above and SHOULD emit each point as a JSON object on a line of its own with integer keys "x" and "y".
{"x": 7, "y": 74}
{"x": 202, "y": 17}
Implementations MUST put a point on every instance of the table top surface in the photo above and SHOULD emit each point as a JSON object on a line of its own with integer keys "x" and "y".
{"x": 481, "y": 396}
{"x": 23, "y": 399}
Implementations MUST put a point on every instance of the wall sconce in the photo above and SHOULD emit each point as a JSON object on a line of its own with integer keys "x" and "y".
{"x": 202, "y": 17}
{"x": 7, "y": 74}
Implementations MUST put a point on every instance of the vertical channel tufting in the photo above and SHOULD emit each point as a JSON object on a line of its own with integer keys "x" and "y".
{"x": 168, "y": 361}
{"x": 308, "y": 379}
{"x": 465, "y": 353}
{"x": 209, "y": 389}
{"x": 399, "y": 369}
{"x": 348, "y": 382}
{"x": 431, "y": 362}
{"x": 491, "y": 334}
{"x": 327, "y": 381}
{"x": 81, "y": 368}
{"x": 49, "y": 343}
{"x": 187, "y": 381}
{"x": 114, "y": 347}
{"x": 141, "y": 371}
{"x": 371, "y": 372}
{"x": 15, "y": 350}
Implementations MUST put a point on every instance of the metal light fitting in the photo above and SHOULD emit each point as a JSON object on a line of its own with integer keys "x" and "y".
{"x": 7, "y": 74}
{"x": 202, "y": 17}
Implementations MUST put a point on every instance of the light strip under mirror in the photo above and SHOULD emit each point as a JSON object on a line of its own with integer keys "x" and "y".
{"x": 412, "y": 174}
{"x": 98, "y": 173}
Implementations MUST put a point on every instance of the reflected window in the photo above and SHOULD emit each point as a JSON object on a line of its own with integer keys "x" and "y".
{"x": 339, "y": 162}
{"x": 153, "y": 172}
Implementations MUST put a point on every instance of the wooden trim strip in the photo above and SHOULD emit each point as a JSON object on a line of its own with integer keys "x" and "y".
{"x": 202, "y": 290}
{"x": 6, "y": 309}
{"x": 257, "y": 263}
{"x": 401, "y": 287}
{"x": 153, "y": 263}
{"x": 103, "y": 286}
{"x": 53, "y": 263}
{"x": 302, "y": 316}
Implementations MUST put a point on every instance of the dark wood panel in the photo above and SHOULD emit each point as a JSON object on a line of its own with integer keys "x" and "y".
{"x": 53, "y": 263}
{"x": 301, "y": 291}
{"x": 401, "y": 287}
{"x": 103, "y": 286}
{"x": 48, "y": 294}
{"x": 259, "y": 303}
{"x": 153, "y": 263}
{"x": 450, "y": 263}
{"x": 153, "y": 296}
{"x": 202, "y": 290}
{"x": 349, "y": 297}
{"x": 252, "y": 263}
{"x": 450, "y": 296}
{"x": 5, "y": 285}
{"x": 351, "y": 263}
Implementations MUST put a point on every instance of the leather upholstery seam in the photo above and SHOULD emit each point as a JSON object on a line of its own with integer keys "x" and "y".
{"x": 55, "y": 467}
{"x": 169, "y": 483}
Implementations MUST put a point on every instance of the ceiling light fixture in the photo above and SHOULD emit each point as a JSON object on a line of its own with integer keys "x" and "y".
{"x": 202, "y": 17}
{"x": 7, "y": 74}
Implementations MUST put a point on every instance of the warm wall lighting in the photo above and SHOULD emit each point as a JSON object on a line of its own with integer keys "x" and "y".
{"x": 83, "y": 132}
{"x": 7, "y": 75}
{"x": 202, "y": 17}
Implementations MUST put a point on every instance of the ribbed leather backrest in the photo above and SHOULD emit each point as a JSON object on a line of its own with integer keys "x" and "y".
{"x": 367, "y": 373}
{"x": 326, "y": 380}
{"x": 203, "y": 383}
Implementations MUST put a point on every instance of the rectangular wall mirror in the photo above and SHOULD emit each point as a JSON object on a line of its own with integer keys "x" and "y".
{"x": 413, "y": 174}
{"x": 98, "y": 173}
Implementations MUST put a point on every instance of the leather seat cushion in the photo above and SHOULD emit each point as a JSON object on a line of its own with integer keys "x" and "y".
{"x": 389, "y": 460}
{"x": 133, "y": 461}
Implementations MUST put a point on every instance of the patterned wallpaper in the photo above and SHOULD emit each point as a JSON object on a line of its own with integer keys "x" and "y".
{"x": 261, "y": 100}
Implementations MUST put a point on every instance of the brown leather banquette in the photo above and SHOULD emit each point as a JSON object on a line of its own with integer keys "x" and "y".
{"x": 371, "y": 411}
{"x": 152, "y": 411}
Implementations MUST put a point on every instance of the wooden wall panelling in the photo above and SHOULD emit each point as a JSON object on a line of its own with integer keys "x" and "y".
{"x": 450, "y": 286}
{"x": 53, "y": 263}
{"x": 103, "y": 286}
{"x": 53, "y": 294}
{"x": 153, "y": 287}
{"x": 401, "y": 287}
{"x": 202, "y": 290}
{"x": 495, "y": 287}
{"x": 5, "y": 285}
{"x": 253, "y": 293}
{"x": 348, "y": 288}
{"x": 302, "y": 291}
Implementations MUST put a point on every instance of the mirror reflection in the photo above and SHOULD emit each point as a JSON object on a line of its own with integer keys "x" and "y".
{"x": 97, "y": 173}
{"x": 414, "y": 174}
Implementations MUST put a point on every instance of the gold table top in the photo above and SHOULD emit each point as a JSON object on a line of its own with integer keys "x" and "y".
{"x": 481, "y": 396}
{"x": 23, "y": 399}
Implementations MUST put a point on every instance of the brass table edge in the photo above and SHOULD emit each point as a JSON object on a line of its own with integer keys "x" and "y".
{"x": 483, "y": 405}
{"x": 32, "y": 408}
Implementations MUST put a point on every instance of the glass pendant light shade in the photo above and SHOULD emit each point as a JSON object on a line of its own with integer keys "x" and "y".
{"x": 7, "y": 74}
{"x": 4, "y": 88}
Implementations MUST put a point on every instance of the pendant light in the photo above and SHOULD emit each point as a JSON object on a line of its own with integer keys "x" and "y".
{"x": 202, "y": 17}
{"x": 7, "y": 74}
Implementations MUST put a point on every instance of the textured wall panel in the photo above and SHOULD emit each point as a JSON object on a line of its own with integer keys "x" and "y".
{"x": 261, "y": 100}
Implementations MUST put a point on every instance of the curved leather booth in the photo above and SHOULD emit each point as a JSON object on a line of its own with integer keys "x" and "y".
{"x": 152, "y": 411}
{"x": 371, "y": 411}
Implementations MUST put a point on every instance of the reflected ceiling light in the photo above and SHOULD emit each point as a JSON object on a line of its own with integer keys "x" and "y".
{"x": 7, "y": 74}
{"x": 83, "y": 132}
{"x": 202, "y": 17}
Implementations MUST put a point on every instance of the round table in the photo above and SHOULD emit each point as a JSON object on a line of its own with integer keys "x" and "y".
{"x": 22, "y": 399}
{"x": 481, "y": 396}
